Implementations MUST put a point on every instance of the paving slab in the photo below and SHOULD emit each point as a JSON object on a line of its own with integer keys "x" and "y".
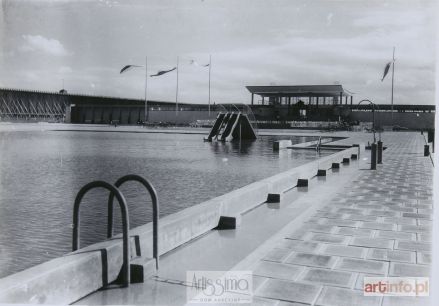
{"x": 361, "y": 265}
{"x": 396, "y": 235}
{"x": 277, "y": 255}
{"x": 391, "y": 255}
{"x": 329, "y": 277}
{"x": 350, "y": 231}
{"x": 405, "y": 301}
{"x": 413, "y": 245}
{"x": 328, "y": 238}
{"x": 343, "y": 250}
{"x": 372, "y": 242}
{"x": 312, "y": 260}
{"x": 332, "y": 296}
{"x": 288, "y": 291}
{"x": 277, "y": 270}
{"x": 403, "y": 269}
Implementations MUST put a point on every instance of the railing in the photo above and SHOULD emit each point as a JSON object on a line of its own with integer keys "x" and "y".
{"x": 155, "y": 209}
{"x": 115, "y": 192}
{"x": 125, "y": 223}
{"x": 244, "y": 109}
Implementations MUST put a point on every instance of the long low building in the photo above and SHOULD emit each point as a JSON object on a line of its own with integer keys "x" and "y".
{"x": 277, "y": 104}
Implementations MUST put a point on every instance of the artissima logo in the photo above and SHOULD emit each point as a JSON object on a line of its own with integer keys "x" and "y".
{"x": 219, "y": 286}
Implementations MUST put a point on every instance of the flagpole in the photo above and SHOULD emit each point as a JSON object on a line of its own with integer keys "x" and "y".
{"x": 146, "y": 89}
{"x": 210, "y": 67}
{"x": 176, "y": 93}
{"x": 393, "y": 75}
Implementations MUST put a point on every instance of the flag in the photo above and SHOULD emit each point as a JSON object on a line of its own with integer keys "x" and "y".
{"x": 161, "y": 72}
{"x": 193, "y": 62}
{"x": 128, "y": 67}
{"x": 386, "y": 70}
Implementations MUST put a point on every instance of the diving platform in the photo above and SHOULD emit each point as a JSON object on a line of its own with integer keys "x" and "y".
{"x": 231, "y": 125}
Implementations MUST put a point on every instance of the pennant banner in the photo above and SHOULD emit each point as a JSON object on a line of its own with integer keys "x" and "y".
{"x": 161, "y": 72}
{"x": 386, "y": 70}
{"x": 128, "y": 67}
{"x": 193, "y": 62}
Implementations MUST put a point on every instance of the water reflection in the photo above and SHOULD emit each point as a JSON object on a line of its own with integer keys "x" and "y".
{"x": 237, "y": 147}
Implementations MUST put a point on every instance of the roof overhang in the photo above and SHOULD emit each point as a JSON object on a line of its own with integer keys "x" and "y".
{"x": 299, "y": 91}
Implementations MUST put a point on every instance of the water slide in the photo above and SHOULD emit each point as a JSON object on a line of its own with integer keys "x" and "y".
{"x": 230, "y": 126}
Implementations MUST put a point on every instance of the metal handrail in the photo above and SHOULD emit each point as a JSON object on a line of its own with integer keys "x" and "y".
{"x": 373, "y": 118}
{"x": 155, "y": 210}
{"x": 319, "y": 144}
{"x": 125, "y": 223}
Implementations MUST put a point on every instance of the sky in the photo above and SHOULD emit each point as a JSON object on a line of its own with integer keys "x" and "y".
{"x": 251, "y": 42}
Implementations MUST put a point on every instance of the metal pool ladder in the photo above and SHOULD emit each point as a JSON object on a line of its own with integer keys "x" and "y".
{"x": 135, "y": 270}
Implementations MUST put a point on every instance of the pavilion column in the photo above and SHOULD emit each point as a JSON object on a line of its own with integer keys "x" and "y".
{"x": 317, "y": 102}
{"x": 309, "y": 100}
{"x": 263, "y": 98}
{"x": 324, "y": 100}
{"x": 252, "y": 97}
{"x": 346, "y": 100}
{"x": 351, "y": 100}
{"x": 341, "y": 98}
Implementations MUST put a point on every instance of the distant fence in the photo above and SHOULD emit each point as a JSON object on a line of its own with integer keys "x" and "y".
{"x": 409, "y": 120}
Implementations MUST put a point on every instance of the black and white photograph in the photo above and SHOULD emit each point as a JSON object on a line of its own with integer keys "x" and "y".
{"x": 218, "y": 152}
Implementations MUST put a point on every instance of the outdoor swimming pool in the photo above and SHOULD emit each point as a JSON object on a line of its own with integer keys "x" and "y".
{"x": 42, "y": 170}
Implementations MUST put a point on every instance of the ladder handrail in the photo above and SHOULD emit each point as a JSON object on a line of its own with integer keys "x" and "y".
{"x": 223, "y": 124}
{"x": 125, "y": 223}
{"x": 227, "y": 137}
{"x": 155, "y": 210}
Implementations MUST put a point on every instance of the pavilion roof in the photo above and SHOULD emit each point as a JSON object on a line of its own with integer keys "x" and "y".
{"x": 299, "y": 91}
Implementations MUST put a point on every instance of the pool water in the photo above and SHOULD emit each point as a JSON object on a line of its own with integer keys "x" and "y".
{"x": 42, "y": 170}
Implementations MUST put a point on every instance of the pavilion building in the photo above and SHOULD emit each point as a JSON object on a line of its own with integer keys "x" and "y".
{"x": 308, "y": 94}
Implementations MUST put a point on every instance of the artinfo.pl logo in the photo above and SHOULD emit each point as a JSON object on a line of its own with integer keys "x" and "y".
{"x": 400, "y": 286}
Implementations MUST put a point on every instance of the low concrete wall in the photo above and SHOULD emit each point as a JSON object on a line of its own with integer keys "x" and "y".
{"x": 66, "y": 279}
{"x": 131, "y": 115}
{"x": 409, "y": 120}
{"x": 180, "y": 117}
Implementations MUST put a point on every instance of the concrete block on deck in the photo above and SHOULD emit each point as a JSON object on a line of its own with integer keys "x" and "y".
{"x": 321, "y": 172}
{"x": 274, "y": 197}
{"x": 302, "y": 183}
{"x": 141, "y": 269}
{"x": 226, "y": 223}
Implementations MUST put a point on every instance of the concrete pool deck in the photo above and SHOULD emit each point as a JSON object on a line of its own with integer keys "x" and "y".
{"x": 354, "y": 223}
